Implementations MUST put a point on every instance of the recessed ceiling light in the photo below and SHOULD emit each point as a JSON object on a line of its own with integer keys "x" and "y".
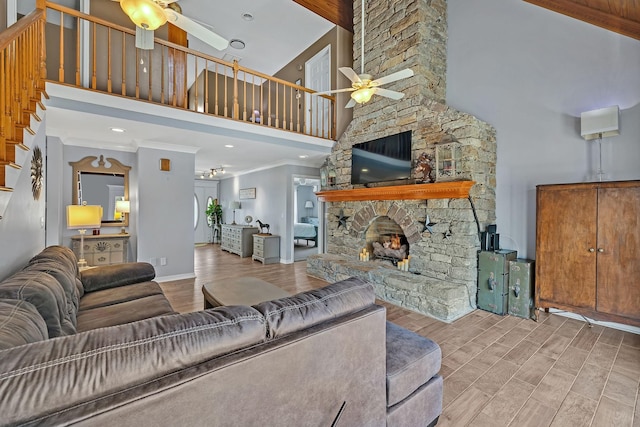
{"x": 303, "y": 156}
{"x": 229, "y": 146}
{"x": 237, "y": 44}
{"x": 247, "y": 16}
{"x": 118, "y": 130}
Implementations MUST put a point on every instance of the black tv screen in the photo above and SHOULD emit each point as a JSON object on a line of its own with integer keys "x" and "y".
{"x": 383, "y": 159}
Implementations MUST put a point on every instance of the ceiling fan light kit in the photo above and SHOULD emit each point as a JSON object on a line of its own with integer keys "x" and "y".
{"x": 145, "y": 14}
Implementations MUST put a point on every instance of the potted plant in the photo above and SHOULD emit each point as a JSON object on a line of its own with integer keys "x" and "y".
{"x": 214, "y": 218}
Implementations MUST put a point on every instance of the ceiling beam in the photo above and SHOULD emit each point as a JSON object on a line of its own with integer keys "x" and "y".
{"x": 340, "y": 12}
{"x": 609, "y": 20}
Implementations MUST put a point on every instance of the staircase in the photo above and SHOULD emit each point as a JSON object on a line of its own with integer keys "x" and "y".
{"x": 22, "y": 96}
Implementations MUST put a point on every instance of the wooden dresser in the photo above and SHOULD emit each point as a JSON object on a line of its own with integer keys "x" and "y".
{"x": 103, "y": 249}
{"x": 238, "y": 239}
{"x": 588, "y": 249}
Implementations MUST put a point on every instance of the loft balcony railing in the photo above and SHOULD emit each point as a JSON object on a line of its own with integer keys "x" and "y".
{"x": 91, "y": 53}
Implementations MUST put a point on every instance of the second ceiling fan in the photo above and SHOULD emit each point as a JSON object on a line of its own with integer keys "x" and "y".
{"x": 148, "y": 15}
{"x": 363, "y": 86}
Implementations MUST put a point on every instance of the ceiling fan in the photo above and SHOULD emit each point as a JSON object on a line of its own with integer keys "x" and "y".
{"x": 148, "y": 15}
{"x": 363, "y": 86}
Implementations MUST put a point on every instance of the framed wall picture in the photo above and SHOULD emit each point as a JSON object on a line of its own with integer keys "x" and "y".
{"x": 247, "y": 193}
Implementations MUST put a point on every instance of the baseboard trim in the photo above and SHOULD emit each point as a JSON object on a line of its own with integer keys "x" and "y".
{"x": 175, "y": 277}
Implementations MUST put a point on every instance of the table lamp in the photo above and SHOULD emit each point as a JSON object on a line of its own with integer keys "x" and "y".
{"x": 123, "y": 207}
{"x": 234, "y": 206}
{"x": 309, "y": 205}
{"x": 81, "y": 217}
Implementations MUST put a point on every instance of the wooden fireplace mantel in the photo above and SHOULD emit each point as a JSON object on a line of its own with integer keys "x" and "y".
{"x": 437, "y": 190}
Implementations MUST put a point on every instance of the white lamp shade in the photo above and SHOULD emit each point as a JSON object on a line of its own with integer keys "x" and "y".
{"x": 234, "y": 205}
{"x": 308, "y": 204}
{"x": 84, "y": 216}
{"x": 123, "y": 206}
{"x": 602, "y": 122}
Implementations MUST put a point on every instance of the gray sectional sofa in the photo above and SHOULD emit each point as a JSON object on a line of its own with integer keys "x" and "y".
{"x": 319, "y": 358}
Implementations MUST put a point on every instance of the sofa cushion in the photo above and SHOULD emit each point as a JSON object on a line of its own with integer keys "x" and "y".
{"x": 411, "y": 361}
{"x": 287, "y": 315}
{"x": 124, "y": 312}
{"x": 46, "y": 294}
{"x": 112, "y": 276}
{"x": 421, "y": 408}
{"x": 84, "y": 367}
{"x": 60, "y": 254}
{"x": 120, "y": 294}
{"x": 20, "y": 323}
{"x": 65, "y": 277}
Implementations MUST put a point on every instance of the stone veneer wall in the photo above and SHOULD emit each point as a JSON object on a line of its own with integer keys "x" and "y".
{"x": 412, "y": 34}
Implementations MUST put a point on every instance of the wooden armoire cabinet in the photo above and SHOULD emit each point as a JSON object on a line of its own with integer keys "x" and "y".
{"x": 588, "y": 249}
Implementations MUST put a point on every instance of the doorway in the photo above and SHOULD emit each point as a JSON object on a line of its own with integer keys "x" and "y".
{"x": 317, "y": 76}
{"x": 307, "y": 229}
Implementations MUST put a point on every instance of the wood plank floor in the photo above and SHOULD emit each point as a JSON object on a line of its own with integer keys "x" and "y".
{"x": 498, "y": 371}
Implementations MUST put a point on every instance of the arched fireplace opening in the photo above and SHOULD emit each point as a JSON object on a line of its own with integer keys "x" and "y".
{"x": 385, "y": 240}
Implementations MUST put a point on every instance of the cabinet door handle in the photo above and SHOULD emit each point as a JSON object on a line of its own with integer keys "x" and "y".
{"x": 600, "y": 250}
{"x": 591, "y": 250}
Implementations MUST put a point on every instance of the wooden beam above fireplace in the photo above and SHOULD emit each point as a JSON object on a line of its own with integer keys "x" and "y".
{"x": 438, "y": 190}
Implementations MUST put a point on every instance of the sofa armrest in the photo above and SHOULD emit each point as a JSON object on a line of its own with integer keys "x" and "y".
{"x": 112, "y": 276}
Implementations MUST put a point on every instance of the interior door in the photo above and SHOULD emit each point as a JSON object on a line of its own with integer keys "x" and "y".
{"x": 566, "y": 242}
{"x": 619, "y": 251}
{"x": 317, "y": 76}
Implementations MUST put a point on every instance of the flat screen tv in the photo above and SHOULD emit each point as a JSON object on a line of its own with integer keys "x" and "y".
{"x": 383, "y": 159}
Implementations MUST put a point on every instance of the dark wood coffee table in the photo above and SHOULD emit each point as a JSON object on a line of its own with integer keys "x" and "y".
{"x": 240, "y": 291}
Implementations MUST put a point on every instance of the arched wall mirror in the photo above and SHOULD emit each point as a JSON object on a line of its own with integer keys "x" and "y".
{"x": 102, "y": 183}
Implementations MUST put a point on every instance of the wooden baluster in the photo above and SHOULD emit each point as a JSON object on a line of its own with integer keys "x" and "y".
{"x": 185, "y": 83}
{"x": 195, "y": 85}
{"x": 124, "y": 65}
{"x": 162, "y": 74}
{"x": 269, "y": 103}
{"x": 253, "y": 97}
{"x": 225, "y": 93}
{"x": 109, "y": 82}
{"x": 291, "y": 108}
{"x": 277, "y": 105}
{"x": 94, "y": 78}
{"x": 150, "y": 71}
{"x": 216, "y": 90}
{"x": 244, "y": 103}
{"x": 174, "y": 95}
{"x": 206, "y": 86}
{"x": 61, "y": 61}
{"x": 78, "y": 35}
{"x": 138, "y": 73}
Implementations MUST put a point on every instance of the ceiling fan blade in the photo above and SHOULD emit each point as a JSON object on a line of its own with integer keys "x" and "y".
{"x": 144, "y": 38}
{"x": 351, "y": 75}
{"x": 389, "y": 93}
{"x": 196, "y": 29}
{"x": 352, "y": 103}
{"x": 408, "y": 72}
{"x": 328, "y": 92}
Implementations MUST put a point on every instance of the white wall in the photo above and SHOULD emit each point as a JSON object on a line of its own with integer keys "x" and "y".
{"x": 273, "y": 203}
{"x": 22, "y": 232}
{"x": 164, "y": 203}
{"x": 530, "y": 73}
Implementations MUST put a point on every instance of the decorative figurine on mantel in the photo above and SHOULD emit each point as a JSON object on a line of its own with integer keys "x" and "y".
{"x": 263, "y": 226}
{"x": 423, "y": 166}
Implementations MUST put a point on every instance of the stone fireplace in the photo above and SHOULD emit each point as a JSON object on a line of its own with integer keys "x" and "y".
{"x": 441, "y": 227}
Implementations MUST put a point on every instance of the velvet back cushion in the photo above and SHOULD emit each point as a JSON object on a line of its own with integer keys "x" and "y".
{"x": 20, "y": 323}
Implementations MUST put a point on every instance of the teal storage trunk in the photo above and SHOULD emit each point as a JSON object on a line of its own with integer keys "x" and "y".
{"x": 493, "y": 279}
{"x": 521, "y": 287}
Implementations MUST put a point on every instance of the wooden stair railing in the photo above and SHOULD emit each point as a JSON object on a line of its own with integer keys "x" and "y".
{"x": 179, "y": 77}
{"x": 22, "y": 73}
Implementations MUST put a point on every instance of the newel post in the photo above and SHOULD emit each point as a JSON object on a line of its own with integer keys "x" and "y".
{"x": 236, "y": 106}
